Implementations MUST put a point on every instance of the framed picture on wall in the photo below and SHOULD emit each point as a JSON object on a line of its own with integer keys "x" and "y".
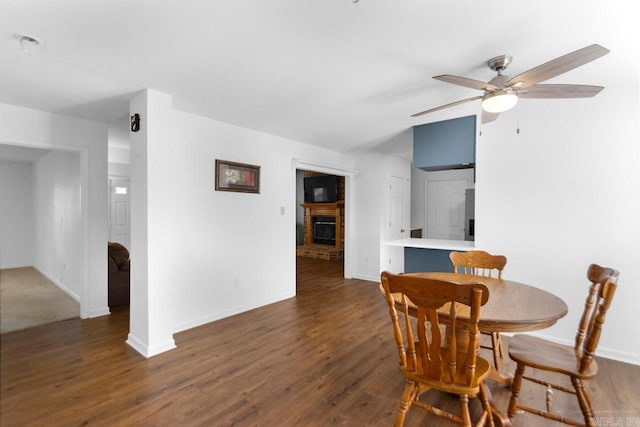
{"x": 238, "y": 177}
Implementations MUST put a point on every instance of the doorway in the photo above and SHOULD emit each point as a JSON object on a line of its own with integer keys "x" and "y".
{"x": 445, "y": 203}
{"x": 398, "y": 223}
{"x": 42, "y": 228}
{"x": 348, "y": 175}
{"x": 119, "y": 212}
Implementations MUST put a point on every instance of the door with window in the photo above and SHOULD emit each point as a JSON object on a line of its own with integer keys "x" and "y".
{"x": 120, "y": 215}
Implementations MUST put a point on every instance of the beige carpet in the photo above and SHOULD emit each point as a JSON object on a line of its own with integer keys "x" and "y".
{"x": 28, "y": 299}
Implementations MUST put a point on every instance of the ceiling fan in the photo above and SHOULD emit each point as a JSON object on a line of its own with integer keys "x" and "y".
{"x": 502, "y": 92}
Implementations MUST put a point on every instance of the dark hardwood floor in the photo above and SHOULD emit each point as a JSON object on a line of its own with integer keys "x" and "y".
{"x": 325, "y": 357}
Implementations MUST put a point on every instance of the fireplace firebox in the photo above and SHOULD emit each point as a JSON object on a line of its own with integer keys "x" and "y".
{"x": 324, "y": 230}
{"x": 323, "y": 224}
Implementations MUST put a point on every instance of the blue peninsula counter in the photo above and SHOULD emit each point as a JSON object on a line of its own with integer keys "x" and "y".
{"x": 429, "y": 254}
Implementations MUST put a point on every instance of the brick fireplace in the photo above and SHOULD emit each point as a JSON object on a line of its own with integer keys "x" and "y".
{"x": 323, "y": 231}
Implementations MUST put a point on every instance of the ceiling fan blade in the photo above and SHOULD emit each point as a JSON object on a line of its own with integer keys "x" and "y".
{"x": 442, "y": 107}
{"x": 488, "y": 117}
{"x": 463, "y": 81}
{"x": 560, "y": 91}
{"x": 558, "y": 66}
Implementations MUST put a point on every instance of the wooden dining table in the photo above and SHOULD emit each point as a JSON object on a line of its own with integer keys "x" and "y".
{"x": 512, "y": 307}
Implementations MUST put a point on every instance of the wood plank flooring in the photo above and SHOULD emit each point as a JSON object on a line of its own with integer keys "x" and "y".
{"x": 325, "y": 357}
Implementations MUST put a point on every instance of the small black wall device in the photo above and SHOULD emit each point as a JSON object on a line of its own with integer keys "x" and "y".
{"x": 135, "y": 123}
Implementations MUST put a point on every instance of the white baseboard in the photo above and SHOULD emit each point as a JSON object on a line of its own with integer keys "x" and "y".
{"x": 367, "y": 278}
{"x": 147, "y": 350}
{"x": 97, "y": 312}
{"x": 58, "y": 284}
{"x": 605, "y": 352}
{"x": 10, "y": 266}
{"x": 230, "y": 312}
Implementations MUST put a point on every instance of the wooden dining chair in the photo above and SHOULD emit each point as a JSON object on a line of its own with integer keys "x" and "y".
{"x": 430, "y": 359}
{"x": 481, "y": 263}
{"x": 577, "y": 363}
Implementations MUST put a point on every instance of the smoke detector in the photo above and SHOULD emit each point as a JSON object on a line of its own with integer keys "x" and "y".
{"x": 29, "y": 43}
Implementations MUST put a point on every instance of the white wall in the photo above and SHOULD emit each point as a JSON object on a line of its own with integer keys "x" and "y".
{"x": 229, "y": 252}
{"x": 57, "y": 220}
{"x": 369, "y": 187}
{"x": 151, "y": 306}
{"x": 372, "y": 213}
{"x": 121, "y": 170}
{"x": 565, "y": 193}
{"x": 33, "y": 128}
{"x": 212, "y": 254}
{"x": 119, "y": 147}
{"x": 16, "y": 215}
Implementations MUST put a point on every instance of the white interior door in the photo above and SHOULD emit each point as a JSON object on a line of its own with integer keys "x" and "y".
{"x": 398, "y": 221}
{"x": 120, "y": 215}
{"x": 445, "y": 205}
{"x": 397, "y": 201}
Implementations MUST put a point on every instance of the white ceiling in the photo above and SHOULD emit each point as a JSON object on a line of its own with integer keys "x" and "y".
{"x": 332, "y": 73}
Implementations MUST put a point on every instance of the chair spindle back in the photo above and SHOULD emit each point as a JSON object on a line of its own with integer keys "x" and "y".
{"x": 424, "y": 351}
{"x": 603, "y": 287}
{"x": 479, "y": 263}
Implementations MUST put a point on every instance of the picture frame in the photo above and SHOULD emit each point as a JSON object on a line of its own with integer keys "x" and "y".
{"x": 237, "y": 177}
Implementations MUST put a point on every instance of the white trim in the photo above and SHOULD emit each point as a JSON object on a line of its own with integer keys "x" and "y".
{"x": 349, "y": 175}
{"x": 147, "y": 351}
{"x": 367, "y": 278}
{"x": 66, "y": 290}
{"x": 85, "y": 309}
{"x": 97, "y": 312}
{"x": 10, "y": 266}
{"x": 320, "y": 167}
{"x": 448, "y": 245}
{"x": 231, "y": 312}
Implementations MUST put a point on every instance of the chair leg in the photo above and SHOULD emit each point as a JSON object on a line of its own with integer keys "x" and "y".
{"x": 500, "y": 345}
{"x": 486, "y": 405}
{"x": 515, "y": 390}
{"x": 409, "y": 394}
{"x": 583, "y": 401}
{"x": 497, "y": 350}
{"x": 587, "y": 399}
{"x": 466, "y": 417}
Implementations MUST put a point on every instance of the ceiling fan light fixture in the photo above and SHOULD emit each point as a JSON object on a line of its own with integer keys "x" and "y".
{"x": 499, "y": 101}
{"x": 501, "y": 93}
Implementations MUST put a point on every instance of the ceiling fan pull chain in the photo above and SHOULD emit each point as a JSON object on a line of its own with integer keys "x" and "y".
{"x": 518, "y": 115}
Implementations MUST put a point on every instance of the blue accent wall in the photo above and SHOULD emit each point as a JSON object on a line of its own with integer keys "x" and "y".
{"x": 445, "y": 144}
{"x": 419, "y": 259}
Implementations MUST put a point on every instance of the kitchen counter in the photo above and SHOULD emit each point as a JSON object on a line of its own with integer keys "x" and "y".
{"x": 429, "y": 254}
{"x": 449, "y": 245}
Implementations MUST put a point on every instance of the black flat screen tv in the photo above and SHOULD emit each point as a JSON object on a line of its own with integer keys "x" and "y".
{"x": 321, "y": 189}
